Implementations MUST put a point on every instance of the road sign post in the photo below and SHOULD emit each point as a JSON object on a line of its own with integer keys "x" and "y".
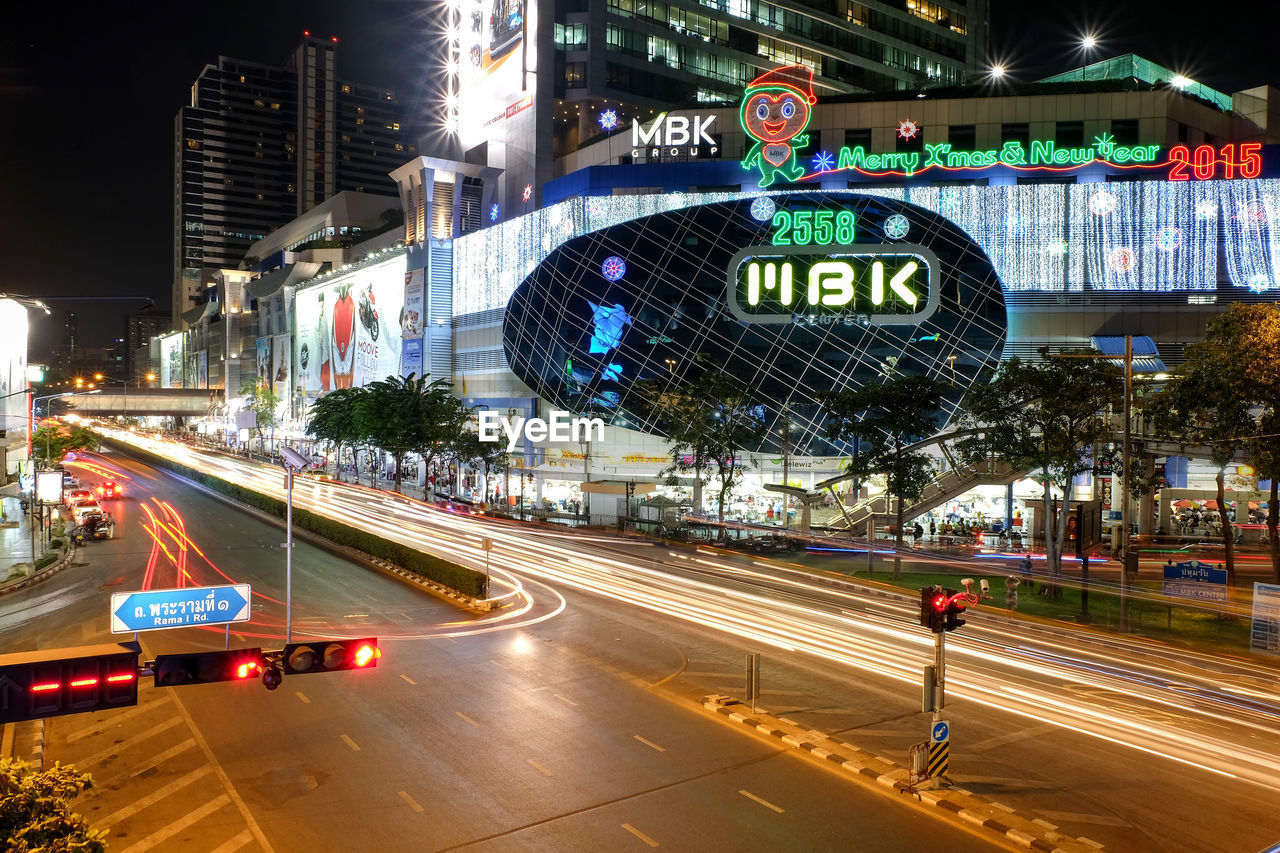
{"x": 158, "y": 609}
{"x": 939, "y": 752}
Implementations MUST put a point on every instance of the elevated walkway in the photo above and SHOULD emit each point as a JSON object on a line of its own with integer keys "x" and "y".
{"x": 142, "y": 402}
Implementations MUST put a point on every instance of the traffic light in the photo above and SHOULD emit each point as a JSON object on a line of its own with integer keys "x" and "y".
{"x": 933, "y": 608}
{"x": 207, "y": 667}
{"x": 68, "y": 681}
{"x": 955, "y": 608}
{"x": 330, "y": 655}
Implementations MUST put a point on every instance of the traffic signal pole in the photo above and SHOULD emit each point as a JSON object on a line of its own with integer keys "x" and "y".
{"x": 940, "y": 674}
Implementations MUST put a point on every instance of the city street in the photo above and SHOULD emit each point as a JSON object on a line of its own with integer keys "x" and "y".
{"x": 469, "y": 734}
{"x": 1041, "y": 717}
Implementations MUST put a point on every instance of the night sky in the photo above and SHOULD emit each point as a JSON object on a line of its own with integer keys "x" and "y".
{"x": 88, "y": 93}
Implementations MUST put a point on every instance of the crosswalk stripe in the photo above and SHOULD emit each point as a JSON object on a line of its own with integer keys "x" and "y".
{"x": 154, "y": 797}
{"x": 179, "y": 825}
{"x": 165, "y": 756}
{"x": 231, "y": 845}
{"x": 117, "y": 747}
{"x": 90, "y": 730}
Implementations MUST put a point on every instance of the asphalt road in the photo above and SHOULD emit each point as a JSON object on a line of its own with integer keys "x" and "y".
{"x": 552, "y": 726}
{"x": 1097, "y": 735}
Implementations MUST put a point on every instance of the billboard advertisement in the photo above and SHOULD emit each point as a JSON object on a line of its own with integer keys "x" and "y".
{"x": 13, "y": 366}
{"x": 497, "y": 55}
{"x": 171, "y": 360}
{"x": 202, "y": 369}
{"x": 411, "y": 320}
{"x": 281, "y": 368}
{"x": 347, "y": 328}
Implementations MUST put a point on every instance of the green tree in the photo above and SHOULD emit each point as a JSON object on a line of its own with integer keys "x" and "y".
{"x": 1044, "y": 416}
{"x": 262, "y": 400}
{"x": 1226, "y": 396}
{"x": 52, "y": 441}
{"x": 489, "y": 457}
{"x": 710, "y": 421}
{"x": 35, "y": 810}
{"x": 412, "y": 414}
{"x": 335, "y": 418}
{"x": 885, "y": 420}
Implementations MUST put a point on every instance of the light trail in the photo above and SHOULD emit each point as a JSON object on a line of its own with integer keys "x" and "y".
{"x": 1217, "y": 713}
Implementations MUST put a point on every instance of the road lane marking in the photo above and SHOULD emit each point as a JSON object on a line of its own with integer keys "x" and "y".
{"x": 179, "y": 825}
{"x": 649, "y": 743}
{"x": 638, "y": 834}
{"x": 165, "y": 756}
{"x": 234, "y": 844}
{"x": 119, "y": 747}
{"x": 408, "y": 679}
{"x": 536, "y": 766}
{"x": 349, "y": 742}
{"x": 498, "y": 665}
{"x": 763, "y": 802}
{"x": 565, "y": 700}
{"x": 1013, "y": 737}
{"x": 404, "y": 795}
{"x": 468, "y": 719}
{"x": 91, "y": 730}
{"x": 154, "y": 797}
{"x": 298, "y": 693}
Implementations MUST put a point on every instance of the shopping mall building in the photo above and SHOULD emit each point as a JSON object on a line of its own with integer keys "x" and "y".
{"x": 808, "y": 242}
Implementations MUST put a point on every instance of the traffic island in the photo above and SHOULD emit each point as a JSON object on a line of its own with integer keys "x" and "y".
{"x": 957, "y": 803}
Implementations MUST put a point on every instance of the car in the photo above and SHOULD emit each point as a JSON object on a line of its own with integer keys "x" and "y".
{"x": 80, "y": 509}
{"x": 506, "y": 27}
{"x": 69, "y": 498}
{"x": 108, "y": 489}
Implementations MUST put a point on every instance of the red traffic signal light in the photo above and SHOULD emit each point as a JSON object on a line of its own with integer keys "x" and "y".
{"x": 933, "y": 608}
{"x": 207, "y": 667}
{"x": 68, "y": 681}
{"x": 330, "y": 655}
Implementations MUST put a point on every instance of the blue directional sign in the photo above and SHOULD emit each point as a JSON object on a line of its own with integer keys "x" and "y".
{"x": 1194, "y": 579}
{"x": 941, "y": 731}
{"x": 155, "y": 609}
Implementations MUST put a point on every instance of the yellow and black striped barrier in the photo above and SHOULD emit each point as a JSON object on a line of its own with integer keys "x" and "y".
{"x": 939, "y": 754}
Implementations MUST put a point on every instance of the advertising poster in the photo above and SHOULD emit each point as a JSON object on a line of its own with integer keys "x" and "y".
{"x": 348, "y": 331}
{"x": 496, "y": 46}
{"x": 263, "y": 360}
{"x": 411, "y": 320}
{"x": 202, "y": 369}
{"x": 13, "y": 366}
{"x": 1264, "y": 633}
{"x": 281, "y": 366}
{"x": 171, "y": 361}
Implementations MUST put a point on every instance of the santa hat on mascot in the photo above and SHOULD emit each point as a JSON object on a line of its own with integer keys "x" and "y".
{"x": 797, "y": 78}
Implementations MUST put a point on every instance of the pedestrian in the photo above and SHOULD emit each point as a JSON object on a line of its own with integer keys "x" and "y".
{"x": 933, "y": 529}
{"x": 1026, "y": 565}
{"x": 917, "y": 532}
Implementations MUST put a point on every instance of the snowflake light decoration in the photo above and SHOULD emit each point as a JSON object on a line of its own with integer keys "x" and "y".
{"x": 1168, "y": 239}
{"x": 823, "y": 162}
{"x": 1206, "y": 208}
{"x": 1259, "y": 283}
{"x": 1058, "y": 248}
{"x": 493, "y": 213}
{"x": 896, "y": 227}
{"x": 595, "y": 206}
{"x": 1102, "y": 203}
{"x": 907, "y": 129}
{"x": 528, "y": 192}
{"x": 1013, "y": 224}
{"x": 763, "y": 208}
{"x": 1121, "y": 259}
{"x": 613, "y": 268}
{"x": 608, "y": 120}
{"x": 1252, "y": 215}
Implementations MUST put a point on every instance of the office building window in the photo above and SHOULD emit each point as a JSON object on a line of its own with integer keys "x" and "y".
{"x": 963, "y": 137}
{"x": 1125, "y": 130}
{"x": 1019, "y": 132}
{"x": 858, "y": 136}
{"x": 575, "y": 74}
{"x": 1069, "y": 133}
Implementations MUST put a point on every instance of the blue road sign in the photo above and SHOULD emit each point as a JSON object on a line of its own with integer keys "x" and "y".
{"x": 941, "y": 731}
{"x": 155, "y": 609}
{"x": 1194, "y": 579}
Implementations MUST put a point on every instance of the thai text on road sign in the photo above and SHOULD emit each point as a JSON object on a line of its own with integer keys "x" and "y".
{"x": 155, "y": 609}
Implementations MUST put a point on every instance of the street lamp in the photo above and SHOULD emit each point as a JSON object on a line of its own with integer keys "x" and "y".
{"x": 293, "y": 462}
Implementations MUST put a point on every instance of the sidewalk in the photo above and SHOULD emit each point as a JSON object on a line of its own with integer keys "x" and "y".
{"x": 16, "y": 545}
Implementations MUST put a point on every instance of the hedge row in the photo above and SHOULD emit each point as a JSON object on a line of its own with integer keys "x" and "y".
{"x": 45, "y": 561}
{"x": 455, "y": 577}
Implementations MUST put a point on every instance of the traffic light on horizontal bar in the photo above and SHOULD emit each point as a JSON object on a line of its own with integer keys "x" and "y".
{"x": 207, "y": 667}
{"x": 68, "y": 681}
{"x": 330, "y": 655}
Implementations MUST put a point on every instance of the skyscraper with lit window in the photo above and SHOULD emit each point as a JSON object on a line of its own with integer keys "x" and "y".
{"x": 261, "y": 144}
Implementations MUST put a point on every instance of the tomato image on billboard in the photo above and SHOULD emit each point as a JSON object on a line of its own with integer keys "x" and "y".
{"x": 343, "y": 357}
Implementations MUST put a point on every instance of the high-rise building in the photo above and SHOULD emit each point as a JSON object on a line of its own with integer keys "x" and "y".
{"x": 529, "y": 81}
{"x": 140, "y": 328}
{"x": 261, "y": 144}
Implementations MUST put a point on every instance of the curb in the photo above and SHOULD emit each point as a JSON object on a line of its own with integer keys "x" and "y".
{"x": 955, "y": 803}
{"x": 43, "y": 574}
